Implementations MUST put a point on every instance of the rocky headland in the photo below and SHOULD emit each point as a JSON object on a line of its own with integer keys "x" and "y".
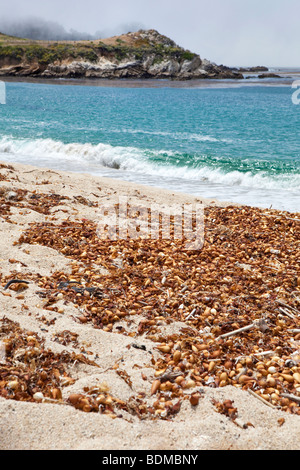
{"x": 144, "y": 54}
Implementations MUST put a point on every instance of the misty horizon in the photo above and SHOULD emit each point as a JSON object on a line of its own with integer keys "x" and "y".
{"x": 230, "y": 32}
{"x": 41, "y": 29}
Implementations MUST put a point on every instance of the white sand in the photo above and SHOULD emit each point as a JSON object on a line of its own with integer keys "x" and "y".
{"x": 50, "y": 426}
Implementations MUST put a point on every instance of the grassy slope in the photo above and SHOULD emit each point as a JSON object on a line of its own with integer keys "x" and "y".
{"x": 121, "y": 47}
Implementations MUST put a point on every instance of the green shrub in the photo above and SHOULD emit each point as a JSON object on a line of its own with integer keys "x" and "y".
{"x": 46, "y": 54}
{"x": 187, "y": 55}
{"x": 87, "y": 54}
{"x": 11, "y": 52}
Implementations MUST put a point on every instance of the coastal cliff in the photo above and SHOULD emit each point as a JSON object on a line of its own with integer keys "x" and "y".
{"x": 142, "y": 55}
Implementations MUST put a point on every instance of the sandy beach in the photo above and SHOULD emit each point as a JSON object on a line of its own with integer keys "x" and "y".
{"x": 143, "y": 355}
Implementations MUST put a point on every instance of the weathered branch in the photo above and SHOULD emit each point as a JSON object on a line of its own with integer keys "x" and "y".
{"x": 291, "y": 397}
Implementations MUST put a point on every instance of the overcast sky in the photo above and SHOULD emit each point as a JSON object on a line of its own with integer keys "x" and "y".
{"x": 230, "y": 32}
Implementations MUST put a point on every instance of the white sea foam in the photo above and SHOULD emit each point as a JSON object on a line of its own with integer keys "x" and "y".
{"x": 138, "y": 161}
{"x": 173, "y": 135}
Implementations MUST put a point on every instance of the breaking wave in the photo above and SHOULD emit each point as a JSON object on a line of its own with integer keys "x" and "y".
{"x": 162, "y": 163}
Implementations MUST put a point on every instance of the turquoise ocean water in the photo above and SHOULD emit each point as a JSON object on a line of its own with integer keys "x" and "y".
{"x": 234, "y": 143}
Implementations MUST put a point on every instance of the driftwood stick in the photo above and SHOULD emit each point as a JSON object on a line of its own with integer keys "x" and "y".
{"x": 261, "y": 324}
{"x": 262, "y": 399}
{"x": 294, "y": 330}
{"x": 236, "y": 332}
{"x": 290, "y": 315}
{"x": 191, "y": 314}
{"x": 291, "y": 397}
{"x": 288, "y": 218}
{"x": 265, "y": 353}
{"x": 286, "y": 305}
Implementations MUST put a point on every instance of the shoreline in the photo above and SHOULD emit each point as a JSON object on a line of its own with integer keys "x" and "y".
{"x": 110, "y": 185}
{"x": 152, "y": 184}
{"x": 148, "y": 350}
{"x": 157, "y": 83}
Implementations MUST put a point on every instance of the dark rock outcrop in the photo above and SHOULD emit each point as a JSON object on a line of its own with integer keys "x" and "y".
{"x": 269, "y": 75}
{"x": 258, "y": 68}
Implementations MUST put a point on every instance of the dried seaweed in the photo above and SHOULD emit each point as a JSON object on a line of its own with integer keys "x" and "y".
{"x": 230, "y": 296}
